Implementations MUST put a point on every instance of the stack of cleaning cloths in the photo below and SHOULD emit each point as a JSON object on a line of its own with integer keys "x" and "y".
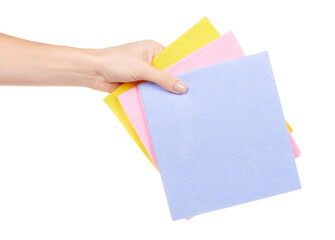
{"x": 222, "y": 143}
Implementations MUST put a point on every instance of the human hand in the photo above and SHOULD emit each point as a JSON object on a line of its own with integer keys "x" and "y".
{"x": 131, "y": 62}
{"x": 39, "y": 64}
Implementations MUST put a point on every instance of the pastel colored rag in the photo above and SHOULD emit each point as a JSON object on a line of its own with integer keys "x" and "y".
{"x": 232, "y": 148}
{"x": 196, "y": 37}
{"x": 222, "y": 49}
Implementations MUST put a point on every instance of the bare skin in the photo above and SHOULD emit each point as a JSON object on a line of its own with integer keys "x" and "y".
{"x": 27, "y": 63}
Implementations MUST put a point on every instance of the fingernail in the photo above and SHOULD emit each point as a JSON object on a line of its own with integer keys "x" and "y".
{"x": 180, "y": 87}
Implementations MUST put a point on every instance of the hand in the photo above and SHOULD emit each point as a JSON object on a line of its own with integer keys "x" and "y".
{"x": 27, "y": 63}
{"x": 132, "y": 62}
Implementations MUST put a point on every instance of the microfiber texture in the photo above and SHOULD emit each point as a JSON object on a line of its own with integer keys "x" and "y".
{"x": 225, "y": 142}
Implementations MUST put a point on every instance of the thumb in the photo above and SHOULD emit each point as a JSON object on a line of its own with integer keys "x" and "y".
{"x": 165, "y": 80}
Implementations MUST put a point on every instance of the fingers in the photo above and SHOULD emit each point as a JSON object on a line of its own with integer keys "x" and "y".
{"x": 152, "y": 49}
{"x": 157, "y": 47}
{"x": 165, "y": 80}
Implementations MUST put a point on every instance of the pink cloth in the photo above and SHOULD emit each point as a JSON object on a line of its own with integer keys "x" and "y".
{"x": 295, "y": 148}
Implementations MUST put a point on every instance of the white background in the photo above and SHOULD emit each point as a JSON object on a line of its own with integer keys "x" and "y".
{"x": 68, "y": 170}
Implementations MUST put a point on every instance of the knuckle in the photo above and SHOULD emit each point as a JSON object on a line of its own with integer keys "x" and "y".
{"x": 156, "y": 46}
{"x": 150, "y": 42}
{"x": 150, "y": 49}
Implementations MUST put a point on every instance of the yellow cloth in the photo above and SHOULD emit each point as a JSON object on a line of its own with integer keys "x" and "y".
{"x": 196, "y": 37}
{"x": 289, "y": 127}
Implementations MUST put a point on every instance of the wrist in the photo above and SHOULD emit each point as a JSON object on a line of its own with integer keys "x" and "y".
{"x": 87, "y": 68}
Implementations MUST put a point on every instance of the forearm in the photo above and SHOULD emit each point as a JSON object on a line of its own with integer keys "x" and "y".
{"x": 26, "y": 63}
